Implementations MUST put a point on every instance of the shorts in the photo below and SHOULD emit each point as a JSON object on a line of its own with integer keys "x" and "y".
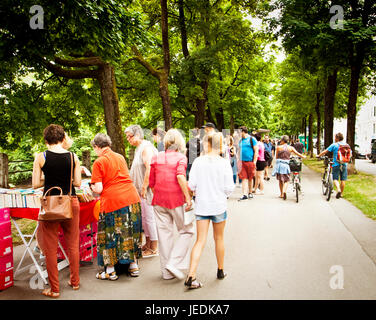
{"x": 339, "y": 172}
{"x": 269, "y": 163}
{"x": 247, "y": 170}
{"x": 260, "y": 165}
{"x": 216, "y": 219}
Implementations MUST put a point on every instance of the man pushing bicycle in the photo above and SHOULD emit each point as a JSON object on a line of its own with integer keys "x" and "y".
{"x": 341, "y": 157}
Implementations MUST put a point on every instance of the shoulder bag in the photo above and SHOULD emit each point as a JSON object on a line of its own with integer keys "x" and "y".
{"x": 57, "y": 208}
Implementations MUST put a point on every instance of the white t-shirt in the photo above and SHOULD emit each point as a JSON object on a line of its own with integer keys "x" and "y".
{"x": 211, "y": 179}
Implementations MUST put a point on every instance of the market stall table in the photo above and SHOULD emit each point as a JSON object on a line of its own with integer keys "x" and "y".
{"x": 87, "y": 216}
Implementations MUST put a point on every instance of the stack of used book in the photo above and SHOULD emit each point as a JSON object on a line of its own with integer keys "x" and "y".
{"x": 20, "y": 198}
{"x": 84, "y": 192}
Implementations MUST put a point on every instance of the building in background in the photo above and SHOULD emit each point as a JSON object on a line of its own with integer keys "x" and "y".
{"x": 365, "y": 129}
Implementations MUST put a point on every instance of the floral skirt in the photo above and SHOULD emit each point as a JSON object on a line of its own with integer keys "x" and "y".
{"x": 119, "y": 236}
{"x": 283, "y": 177}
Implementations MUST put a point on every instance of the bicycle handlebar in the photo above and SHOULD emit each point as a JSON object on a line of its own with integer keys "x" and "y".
{"x": 324, "y": 158}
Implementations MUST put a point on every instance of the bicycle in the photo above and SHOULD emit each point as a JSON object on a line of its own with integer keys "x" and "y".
{"x": 295, "y": 168}
{"x": 327, "y": 178}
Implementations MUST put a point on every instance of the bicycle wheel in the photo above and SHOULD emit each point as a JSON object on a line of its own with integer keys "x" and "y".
{"x": 297, "y": 191}
{"x": 324, "y": 184}
{"x": 330, "y": 187}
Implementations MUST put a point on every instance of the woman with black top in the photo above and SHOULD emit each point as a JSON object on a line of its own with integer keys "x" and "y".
{"x": 55, "y": 163}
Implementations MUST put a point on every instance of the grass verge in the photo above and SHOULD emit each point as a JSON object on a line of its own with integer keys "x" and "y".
{"x": 360, "y": 188}
{"x": 27, "y": 227}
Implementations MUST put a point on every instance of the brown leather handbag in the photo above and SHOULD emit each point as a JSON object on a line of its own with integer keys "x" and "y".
{"x": 57, "y": 208}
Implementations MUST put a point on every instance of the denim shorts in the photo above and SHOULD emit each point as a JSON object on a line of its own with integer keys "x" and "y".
{"x": 339, "y": 172}
{"x": 216, "y": 219}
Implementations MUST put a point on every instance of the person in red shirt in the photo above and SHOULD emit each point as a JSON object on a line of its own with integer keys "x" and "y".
{"x": 119, "y": 225}
{"x": 168, "y": 182}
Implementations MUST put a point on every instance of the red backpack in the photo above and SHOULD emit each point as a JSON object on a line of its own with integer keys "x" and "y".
{"x": 344, "y": 153}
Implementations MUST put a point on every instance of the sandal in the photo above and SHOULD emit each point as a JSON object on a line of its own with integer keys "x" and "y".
{"x": 192, "y": 283}
{"x": 50, "y": 294}
{"x": 73, "y": 287}
{"x": 134, "y": 270}
{"x": 149, "y": 253}
{"x": 107, "y": 276}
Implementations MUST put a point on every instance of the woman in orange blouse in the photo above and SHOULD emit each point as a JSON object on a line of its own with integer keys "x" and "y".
{"x": 119, "y": 226}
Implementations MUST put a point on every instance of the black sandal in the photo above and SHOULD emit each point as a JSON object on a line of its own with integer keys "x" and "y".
{"x": 192, "y": 283}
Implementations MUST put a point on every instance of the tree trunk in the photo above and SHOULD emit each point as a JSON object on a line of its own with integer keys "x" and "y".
{"x": 329, "y": 99}
{"x": 310, "y": 135}
{"x": 183, "y": 29}
{"x": 165, "y": 96}
{"x": 318, "y": 114}
{"x": 209, "y": 116}
{"x": 163, "y": 80}
{"x": 4, "y": 166}
{"x": 351, "y": 107}
{"x": 107, "y": 82}
{"x": 220, "y": 119}
{"x": 201, "y": 105}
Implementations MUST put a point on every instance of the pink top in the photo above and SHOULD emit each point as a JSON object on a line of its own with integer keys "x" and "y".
{"x": 261, "y": 155}
{"x": 165, "y": 166}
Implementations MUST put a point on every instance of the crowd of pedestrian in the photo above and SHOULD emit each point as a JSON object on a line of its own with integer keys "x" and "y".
{"x": 166, "y": 181}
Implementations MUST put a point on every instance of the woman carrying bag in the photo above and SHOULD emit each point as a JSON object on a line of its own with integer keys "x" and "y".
{"x": 59, "y": 169}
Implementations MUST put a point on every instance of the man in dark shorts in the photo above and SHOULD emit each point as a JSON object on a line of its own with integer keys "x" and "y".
{"x": 248, "y": 158}
{"x": 270, "y": 148}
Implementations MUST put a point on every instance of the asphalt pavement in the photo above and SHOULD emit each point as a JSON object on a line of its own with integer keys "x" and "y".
{"x": 365, "y": 166}
{"x": 275, "y": 249}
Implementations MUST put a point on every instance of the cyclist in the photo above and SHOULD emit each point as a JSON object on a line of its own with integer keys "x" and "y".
{"x": 339, "y": 169}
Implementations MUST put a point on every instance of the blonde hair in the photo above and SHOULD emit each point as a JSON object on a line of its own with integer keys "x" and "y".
{"x": 215, "y": 142}
{"x": 173, "y": 140}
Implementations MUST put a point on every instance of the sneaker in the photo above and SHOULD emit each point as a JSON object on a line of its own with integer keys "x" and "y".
{"x": 258, "y": 192}
{"x": 175, "y": 271}
{"x": 250, "y": 196}
{"x": 244, "y": 197}
{"x": 339, "y": 195}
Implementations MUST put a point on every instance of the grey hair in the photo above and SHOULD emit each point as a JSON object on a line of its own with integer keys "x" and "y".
{"x": 101, "y": 140}
{"x": 135, "y": 130}
{"x": 173, "y": 140}
{"x": 285, "y": 138}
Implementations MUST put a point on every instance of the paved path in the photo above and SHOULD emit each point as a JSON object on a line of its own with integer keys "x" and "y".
{"x": 275, "y": 249}
{"x": 365, "y": 166}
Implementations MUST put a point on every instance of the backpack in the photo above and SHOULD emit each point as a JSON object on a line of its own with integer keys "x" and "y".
{"x": 268, "y": 156}
{"x": 344, "y": 153}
